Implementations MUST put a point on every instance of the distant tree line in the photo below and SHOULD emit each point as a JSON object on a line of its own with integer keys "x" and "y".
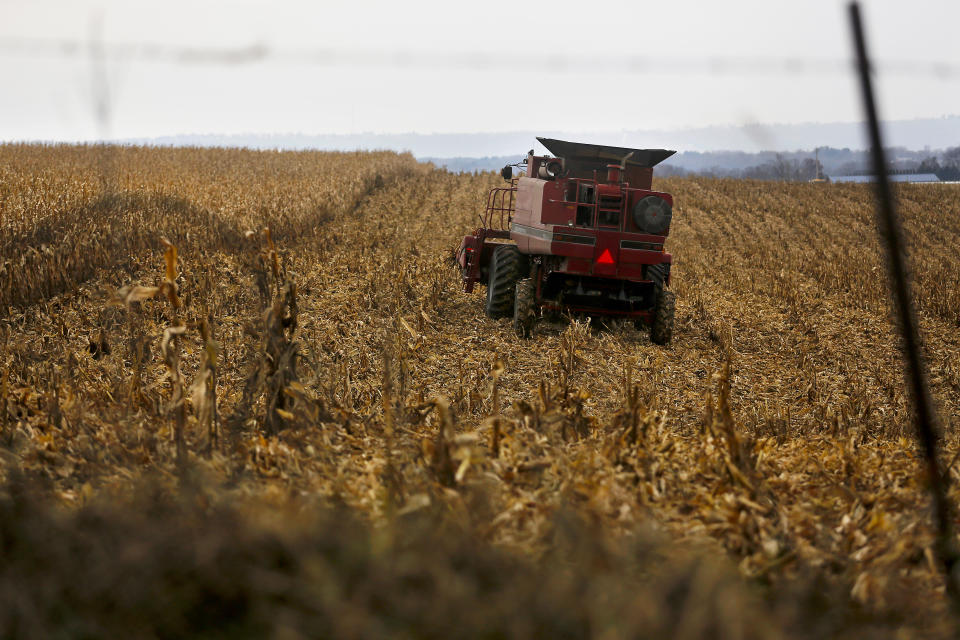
{"x": 947, "y": 166}
{"x": 801, "y": 166}
{"x": 779, "y": 168}
{"x": 798, "y": 166}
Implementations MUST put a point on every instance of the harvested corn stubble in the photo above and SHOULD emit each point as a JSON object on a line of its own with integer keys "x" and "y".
{"x": 294, "y": 324}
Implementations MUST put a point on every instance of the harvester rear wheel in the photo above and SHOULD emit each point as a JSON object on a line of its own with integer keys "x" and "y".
{"x": 661, "y": 329}
{"x": 524, "y": 315}
{"x": 658, "y": 273}
{"x": 507, "y": 265}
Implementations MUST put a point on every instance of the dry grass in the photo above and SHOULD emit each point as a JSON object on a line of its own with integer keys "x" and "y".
{"x": 334, "y": 363}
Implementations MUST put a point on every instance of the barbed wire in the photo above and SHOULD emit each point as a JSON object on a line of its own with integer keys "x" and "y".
{"x": 477, "y": 61}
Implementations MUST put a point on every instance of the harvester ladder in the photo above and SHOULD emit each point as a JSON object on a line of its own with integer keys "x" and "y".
{"x": 501, "y": 203}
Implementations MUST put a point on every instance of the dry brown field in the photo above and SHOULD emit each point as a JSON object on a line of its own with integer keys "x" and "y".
{"x": 208, "y": 428}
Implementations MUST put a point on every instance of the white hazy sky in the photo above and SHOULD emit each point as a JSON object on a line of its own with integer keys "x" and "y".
{"x": 48, "y": 95}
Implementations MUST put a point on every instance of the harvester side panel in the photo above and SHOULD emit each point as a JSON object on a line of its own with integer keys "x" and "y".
{"x": 529, "y": 201}
{"x": 526, "y": 228}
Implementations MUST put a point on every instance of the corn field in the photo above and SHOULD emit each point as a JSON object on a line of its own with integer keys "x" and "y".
{"x": 257, "y": 373}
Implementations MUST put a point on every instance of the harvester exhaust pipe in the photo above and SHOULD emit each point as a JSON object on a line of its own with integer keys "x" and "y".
{"x": 615, "y": 171}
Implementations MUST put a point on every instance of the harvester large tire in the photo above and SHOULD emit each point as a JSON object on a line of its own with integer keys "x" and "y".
{"x": 524, "y": 314}
{"x": 658, "y": 273}
{"x": 661, "y": 329}
{"x": 507, "y": 265}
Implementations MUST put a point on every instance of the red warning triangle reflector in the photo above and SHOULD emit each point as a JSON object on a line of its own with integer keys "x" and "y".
{"x": 605, "y": 257}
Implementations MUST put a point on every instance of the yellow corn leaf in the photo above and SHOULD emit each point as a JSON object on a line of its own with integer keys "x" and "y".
{"x": 170, "y": 257}
{"x": 168, "y": 335}
{"x": 138, "y": 293}
{"x": 198, "y": 395}
{"x": 462, "y": 470}
{"x": 413, "y": 334}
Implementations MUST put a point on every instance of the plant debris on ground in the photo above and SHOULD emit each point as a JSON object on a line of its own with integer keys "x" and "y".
{"x": 243, "y": 393}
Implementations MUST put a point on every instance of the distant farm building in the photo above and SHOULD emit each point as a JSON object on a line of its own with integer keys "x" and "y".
{"x": 894, "y": 177}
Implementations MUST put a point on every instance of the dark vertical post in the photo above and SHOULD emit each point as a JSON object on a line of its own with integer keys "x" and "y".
{"x": 892, "y": 237}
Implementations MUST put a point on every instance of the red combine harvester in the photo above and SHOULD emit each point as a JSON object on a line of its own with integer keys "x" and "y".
{"x": 580, "y": 232}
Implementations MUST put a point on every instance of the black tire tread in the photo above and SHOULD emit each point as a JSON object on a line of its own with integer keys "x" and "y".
{"x": 506, "y": 267}
{"x": 661, "y": 329}
{"x": 523, "y": 308}
{"x": 658, "y": 273}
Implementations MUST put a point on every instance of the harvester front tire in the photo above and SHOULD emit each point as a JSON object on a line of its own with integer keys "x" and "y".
{"x": 507, "y": 265}
{"x": 661, "y": 329}
{"x": 524, "y": 315}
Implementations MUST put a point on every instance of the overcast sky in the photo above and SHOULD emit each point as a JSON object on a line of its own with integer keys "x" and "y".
{"x": 400, "y": 66}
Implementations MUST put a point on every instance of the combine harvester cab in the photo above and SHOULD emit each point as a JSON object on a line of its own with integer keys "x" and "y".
{"x": 579, "y": 232}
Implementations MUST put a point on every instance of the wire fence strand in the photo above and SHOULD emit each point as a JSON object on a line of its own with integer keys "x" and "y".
{"x": 477, "y": 60}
